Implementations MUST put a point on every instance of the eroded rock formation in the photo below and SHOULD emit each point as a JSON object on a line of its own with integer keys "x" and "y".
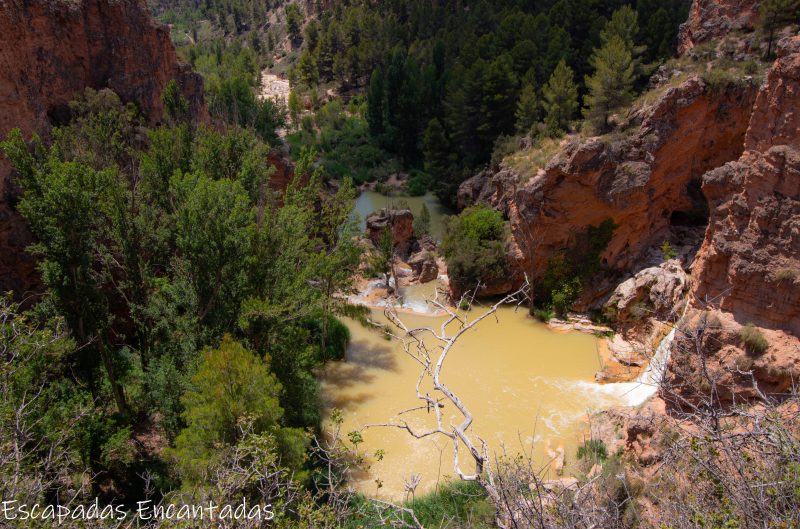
{"x": 749, "y": 263}
{"x": 50, "y": 51}
{"x": 401, "y": 224}
{"x": 748, "y": 267}
{"x": 647, "y": 181}
{"x": 709, "y": 19}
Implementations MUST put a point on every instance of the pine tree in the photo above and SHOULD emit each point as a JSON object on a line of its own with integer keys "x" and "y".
{"x": 560, "y": 99}
{"x": 610, "y": 87}
{"x": 295, "y": 108}
{"x": 422, "y": 224}
{"x": 527, "y": 109}
{"x": 624, "y": 24}
{"x": 775, "y": 14}
{"x": 375, "y": 103}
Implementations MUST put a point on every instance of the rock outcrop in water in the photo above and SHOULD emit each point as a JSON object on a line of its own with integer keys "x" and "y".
{"x": 50, "y": 51}
{"x": 401, "y": 224}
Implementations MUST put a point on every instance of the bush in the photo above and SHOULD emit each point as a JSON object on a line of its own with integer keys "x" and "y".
{"x": 593, "y": 450}
{"x": 786, "y": 274}
{"x": 668, "y": 251}
{"x": 473, "y": 246}
{"x": 753, "y": 340}
{"x": 418, "y": 183}
{"x": 543, "y": 315}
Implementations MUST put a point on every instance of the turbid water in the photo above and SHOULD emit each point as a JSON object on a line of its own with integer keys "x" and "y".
{"x": 370, "y": 201}
{"x": 529, "y": 388}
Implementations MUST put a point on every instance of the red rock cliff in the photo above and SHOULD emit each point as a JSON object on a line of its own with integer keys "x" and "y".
{"x": 641, "y": 181}
{"x": 50, "y": 51}
{"x": 749, "y": 263}
{"x": 710, "y": 19}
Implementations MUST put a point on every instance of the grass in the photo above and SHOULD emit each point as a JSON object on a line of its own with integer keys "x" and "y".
{"x": 593, "y": 450}
{"x": 456, "y": 505}
{"x": 787, "y": 274}
{"x": 753, "y": 340}
{"x": 527, "y": 162}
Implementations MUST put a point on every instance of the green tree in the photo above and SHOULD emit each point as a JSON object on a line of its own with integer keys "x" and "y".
{"x": 70, "y": 208}
{"x": 611, "y": 85}
{"x": 774, "y": 14}
{"x": 213, "y": 235}
{"x": 232, "y": 392}
{"x": 624, "y": 24}
{"x": 175, "y": 105}
{"x": 295, "y": 108}
{"x": 474, "y": 247}
{"x": 422, "y": 224}
{"x": 527, "y": 113}
{"x": 375, "y": 103}
{"x": 294, "y": 21}
{"x": 307, "y": 69}
{"x": 560, "y": 99}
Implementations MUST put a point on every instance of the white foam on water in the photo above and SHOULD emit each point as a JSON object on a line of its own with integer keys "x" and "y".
{"x": 632, "y": 393}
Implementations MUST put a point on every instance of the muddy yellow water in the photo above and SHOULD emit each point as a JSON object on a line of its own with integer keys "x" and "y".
{"x": 529, "y": 388}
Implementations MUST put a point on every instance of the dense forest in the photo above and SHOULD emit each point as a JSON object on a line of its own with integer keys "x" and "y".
{"x": 434, "y": 88}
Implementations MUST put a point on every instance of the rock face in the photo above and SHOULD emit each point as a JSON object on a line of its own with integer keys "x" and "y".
{"x": 655, "y": 291}
{"x": 401, "y": 223}
{"x": 50, "y": 51}
{"x": 424, "y": 267}
{"x": 748, "y": 267}
{"x": 709, "y": 19}
{"x": 647, "y": 183}
{"x": 749, "y": 263}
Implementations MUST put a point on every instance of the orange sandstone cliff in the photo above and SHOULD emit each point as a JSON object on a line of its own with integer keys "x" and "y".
{"x": 647, "y": 180}
{"x": 50, "y": 51}
{"x": 710, "y": 19}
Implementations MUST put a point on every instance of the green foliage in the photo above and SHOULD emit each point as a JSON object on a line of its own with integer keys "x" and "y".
{"x": 593, "y": 450}
{"x": 175, "y": 105}
{"x": 566, "y": 273}
{"x": 774, "y": 14}
{"x": 294, "y": 21}
{"x": 668, "y": 251}
{"x": 231, "y": 389}
{"x": 527, "y": 109}
{"x": 422, "y": 222}
{"x": 473, "y": 246}
{"x": 145, "y": 276}
{"x": 753, "y": 339}
{"x": 611, "y": 85}
{"x": 560, "y": 99}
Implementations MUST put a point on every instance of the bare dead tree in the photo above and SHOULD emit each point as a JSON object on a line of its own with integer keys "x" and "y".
{"x": 431, "y": 360}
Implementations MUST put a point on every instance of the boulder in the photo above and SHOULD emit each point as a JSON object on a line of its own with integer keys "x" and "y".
{"x": 652, "y": 292}
{"x": 424, "y": 267}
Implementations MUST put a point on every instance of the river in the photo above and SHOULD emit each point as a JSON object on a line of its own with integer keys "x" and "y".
{"x": 370, "y": 201}
{"x": 528, "y": 387}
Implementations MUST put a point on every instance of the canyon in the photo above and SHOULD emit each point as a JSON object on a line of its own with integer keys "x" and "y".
{"x": 707, "y": 161}
{"x": 50, "y": 52}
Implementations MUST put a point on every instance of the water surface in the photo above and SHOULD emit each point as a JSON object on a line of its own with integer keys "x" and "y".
{"x": 370, "y": 201}
{"x": 527, "y": 386}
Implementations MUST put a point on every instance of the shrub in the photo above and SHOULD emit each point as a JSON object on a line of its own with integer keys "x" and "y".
{"x": 753, "y": 339}
{"x": 744, "y": 363}
{"x": 668, "y": 251}
{"x": 593, "y": 450}
{"x": 473, "y": 246}
{"x": 787, "y": 274}
{"x": 543, "y": 315}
